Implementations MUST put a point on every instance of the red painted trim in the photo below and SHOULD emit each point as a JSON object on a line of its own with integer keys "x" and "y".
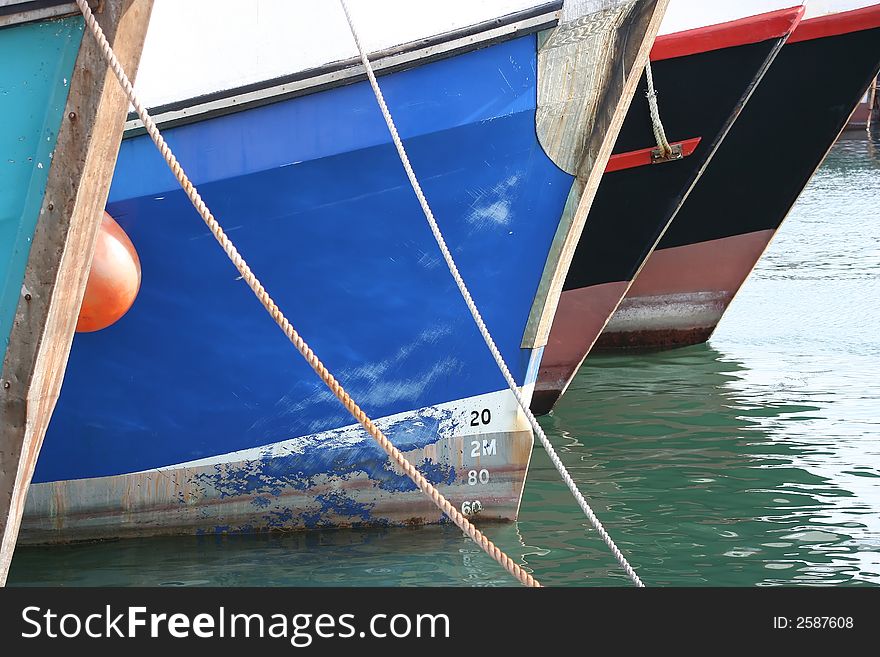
{"x": 753, "y": 29}
{"x": 640, "y": 158}
{"x": 857, "y": 20}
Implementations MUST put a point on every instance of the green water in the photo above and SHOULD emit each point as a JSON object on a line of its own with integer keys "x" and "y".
{"x": 754, "y": 460}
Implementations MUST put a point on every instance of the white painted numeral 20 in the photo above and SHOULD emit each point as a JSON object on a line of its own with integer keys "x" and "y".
{"x": 475, "y": 477}
{"x": 488, "y": 448}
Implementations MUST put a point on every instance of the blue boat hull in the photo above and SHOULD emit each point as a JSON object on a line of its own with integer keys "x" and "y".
{"x": 193, "y": 413}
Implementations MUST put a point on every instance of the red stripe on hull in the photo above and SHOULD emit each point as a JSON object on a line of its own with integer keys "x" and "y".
{"x": 682, "y": 292}
{"x": 580, "y": 317}
{"x": 644, "y": 157}
{"x": 753, "y": 29}
{"x": 857, "y": 20}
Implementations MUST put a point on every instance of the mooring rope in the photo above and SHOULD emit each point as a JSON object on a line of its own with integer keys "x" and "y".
{"x": 263, "y": 296}
{"x": 656, "y": 123}
{"x": 475, "y": 313}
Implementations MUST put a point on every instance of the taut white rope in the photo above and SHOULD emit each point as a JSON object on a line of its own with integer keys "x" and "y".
{"x": 478, "y": 319}
{"x": 423, "y": 484}
{"x": 656, "y": 123}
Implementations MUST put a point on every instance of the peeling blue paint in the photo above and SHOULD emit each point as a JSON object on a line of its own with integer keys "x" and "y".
{"x": 328, "y": 460}
{"x": 437, "y": 473}
{"x": 261, "y": 502}
{"x": 271, "y": 476}
{"x": 279, "y": 519}
{"x": 338, "y": 503}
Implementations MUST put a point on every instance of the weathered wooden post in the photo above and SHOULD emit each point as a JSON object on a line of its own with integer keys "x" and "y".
{"x": 874, "y": 106}
{"x": 61, "y": 229}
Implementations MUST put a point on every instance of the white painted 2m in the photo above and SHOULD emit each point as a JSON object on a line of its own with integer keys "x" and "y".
{"x": 489, "y": 448}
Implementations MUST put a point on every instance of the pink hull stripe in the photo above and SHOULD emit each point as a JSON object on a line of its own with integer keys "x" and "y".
{"x": 580, "y": 318}
{"x": 715, "y": 266}
{"x": 682, "y": 292}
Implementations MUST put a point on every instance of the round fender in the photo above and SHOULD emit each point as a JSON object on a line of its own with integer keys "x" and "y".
{"x": 114, "y": 279}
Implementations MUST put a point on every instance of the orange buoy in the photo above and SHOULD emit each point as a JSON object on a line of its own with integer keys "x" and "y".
{"x": 114, "y": 279}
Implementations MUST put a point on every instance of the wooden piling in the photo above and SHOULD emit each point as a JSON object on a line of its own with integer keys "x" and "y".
{"x": 580, "y": 139}
{"x": 874, "y": 105}
{"x": 60, "y": 255}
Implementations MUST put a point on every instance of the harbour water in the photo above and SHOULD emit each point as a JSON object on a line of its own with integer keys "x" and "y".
{"x": 753, "y": 460}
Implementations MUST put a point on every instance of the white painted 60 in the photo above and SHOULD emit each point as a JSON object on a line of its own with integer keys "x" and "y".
{"x": 469, "y": 508}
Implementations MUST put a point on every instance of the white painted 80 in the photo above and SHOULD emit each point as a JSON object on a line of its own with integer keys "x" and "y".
{"x": 481, "y": 477}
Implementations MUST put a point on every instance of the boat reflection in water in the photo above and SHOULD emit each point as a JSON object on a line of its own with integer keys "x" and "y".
{"x": 712, "y": 470}
{"x": 703, "y": 467}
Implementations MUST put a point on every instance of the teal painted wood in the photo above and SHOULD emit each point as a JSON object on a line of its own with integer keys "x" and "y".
{"x": 37, "y": 65}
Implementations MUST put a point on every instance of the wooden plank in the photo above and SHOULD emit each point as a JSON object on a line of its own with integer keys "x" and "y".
{"x": 578, "y": 123}
{"x": 61, "y": 252}
{"x": 874, "y": 105}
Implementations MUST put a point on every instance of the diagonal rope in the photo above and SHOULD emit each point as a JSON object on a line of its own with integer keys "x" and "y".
{"x": 656, "y": 123}
{"x": 263, "y": 296}
{"x": 478, "y": 319}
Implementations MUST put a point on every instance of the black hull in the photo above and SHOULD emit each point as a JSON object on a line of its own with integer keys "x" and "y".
{"x": 764, "y": 164}
{"x": 750, "y": 186}
{"x": 700, "y": 96}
